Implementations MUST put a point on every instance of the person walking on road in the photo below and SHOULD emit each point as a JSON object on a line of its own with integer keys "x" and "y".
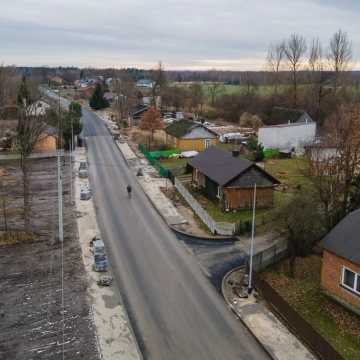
{"x": 128, "y": 188}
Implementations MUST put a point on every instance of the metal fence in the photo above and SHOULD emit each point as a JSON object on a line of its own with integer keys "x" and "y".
{"x": 154, "y": 162}
{"x": 298, "y": 325}
{"x": 220, "y": 228}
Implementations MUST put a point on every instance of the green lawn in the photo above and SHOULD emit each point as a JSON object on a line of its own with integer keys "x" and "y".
{"x": 292, "y": 172}
{"x": 174, "y": 163}
{"x": 338, "y": 326}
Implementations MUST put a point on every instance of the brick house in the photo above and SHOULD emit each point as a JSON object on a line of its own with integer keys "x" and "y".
{"x": 187, "y": 135}
{"x": 225, "y": 177}
{"x": 340, "y": 274}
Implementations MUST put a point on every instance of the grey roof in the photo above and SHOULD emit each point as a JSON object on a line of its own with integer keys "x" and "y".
{"x": 281, "y": 115}
{"x": 222, "y": 167}
{"x": 180, "y": 128}
{"x": 344, "y": 239}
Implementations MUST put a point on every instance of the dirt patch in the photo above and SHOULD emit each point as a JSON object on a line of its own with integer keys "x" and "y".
{"x": 31, "y": 325}
{"x": 15, "y": 237}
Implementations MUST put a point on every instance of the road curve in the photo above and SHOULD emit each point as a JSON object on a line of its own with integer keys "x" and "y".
{"x": 175, "y": 312}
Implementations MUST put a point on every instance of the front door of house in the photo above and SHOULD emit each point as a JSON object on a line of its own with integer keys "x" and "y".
{"x": 207, "y": 143}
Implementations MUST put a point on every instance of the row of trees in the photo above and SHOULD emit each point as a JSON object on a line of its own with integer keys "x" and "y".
{"x": 325, "y": 66}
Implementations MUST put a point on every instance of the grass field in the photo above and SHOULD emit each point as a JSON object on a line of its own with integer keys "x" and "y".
{"x": 226, "y": 89}
{"x": 337, "y": 325}
{"x": 262, "y": 90}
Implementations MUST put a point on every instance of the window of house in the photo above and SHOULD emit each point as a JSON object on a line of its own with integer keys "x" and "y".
{"x": 351, "y": 280}
{"x": 207, "y": 143}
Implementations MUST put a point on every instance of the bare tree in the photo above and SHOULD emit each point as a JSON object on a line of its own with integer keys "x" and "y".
{"x": 159, "y": 84}
{"x": 31, "y": 124}
{"x": 214, "y": 89}
{"x": 339, "y": 54}
{"x": 151, "y": 121}
{"x": 197, "y": 97}
{"x": 317, "y": 76}
{"x": 337, "y": 170}
{"x": 274, "y": 61}
{"x": 7, "y": 87}
{"x": 125, "y": 97}
{"x": 294, "y": 50}
{"x": 300, "y": 222}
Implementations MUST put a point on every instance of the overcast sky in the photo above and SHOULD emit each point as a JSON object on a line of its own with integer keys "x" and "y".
{"x": 184, "y": 34}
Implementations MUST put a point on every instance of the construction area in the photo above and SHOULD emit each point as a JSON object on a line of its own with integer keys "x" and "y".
{"x": 44, "y": 310}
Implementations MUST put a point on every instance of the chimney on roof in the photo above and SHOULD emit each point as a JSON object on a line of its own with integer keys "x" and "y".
{"x": 235, "y": 153}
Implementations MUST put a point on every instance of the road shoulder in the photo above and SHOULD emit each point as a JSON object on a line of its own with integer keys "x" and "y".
{"x": 116, "y": 339}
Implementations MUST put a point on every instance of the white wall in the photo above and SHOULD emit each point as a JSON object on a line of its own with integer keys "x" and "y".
{"x": 287, "y": 136}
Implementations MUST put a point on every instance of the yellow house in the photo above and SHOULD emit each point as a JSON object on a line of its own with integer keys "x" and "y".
{"x": 187, "y": 135}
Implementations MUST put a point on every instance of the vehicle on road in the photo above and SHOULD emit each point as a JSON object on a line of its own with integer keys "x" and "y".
{"x": 85, "y": 193}
{"x": 105, "y": 280}
{"x": 83, "y": 169}
{"x": 98, "y": 250}
{"x": 101, "y": 262}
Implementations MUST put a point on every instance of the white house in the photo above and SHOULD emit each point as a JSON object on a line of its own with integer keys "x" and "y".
{"x": 38, "y": 108}
{"x": 287, "y": 136}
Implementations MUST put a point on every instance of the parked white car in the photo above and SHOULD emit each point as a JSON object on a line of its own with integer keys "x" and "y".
{"x": 85, "y": 193}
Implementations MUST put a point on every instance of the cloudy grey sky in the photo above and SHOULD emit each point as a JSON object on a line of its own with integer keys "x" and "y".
{"x": 184, "y": 34}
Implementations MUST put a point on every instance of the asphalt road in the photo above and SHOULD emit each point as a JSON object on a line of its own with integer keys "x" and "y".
{"x": 175, "y": 312}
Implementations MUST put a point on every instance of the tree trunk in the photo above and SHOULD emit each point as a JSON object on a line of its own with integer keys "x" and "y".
{"x": 5, "y": 214}
{"x": 295, "y": 88}
{"x": 27, "y": 200}
{"x": 292, "y": 262}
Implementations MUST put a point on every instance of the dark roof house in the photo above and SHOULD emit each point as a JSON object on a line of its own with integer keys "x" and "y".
{"x": 340, "y": 273}
{"x": 344, "y": 239}
{"x": 281, "y": 115}
{"x": 224, "y": 175}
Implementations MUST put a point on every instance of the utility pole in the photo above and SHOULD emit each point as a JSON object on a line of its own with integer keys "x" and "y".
{"x": 252, "y": 243}
{"x": 71, "y": 154}
{"x": 61, "y": 225}
{"x": 60, "y": 198}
